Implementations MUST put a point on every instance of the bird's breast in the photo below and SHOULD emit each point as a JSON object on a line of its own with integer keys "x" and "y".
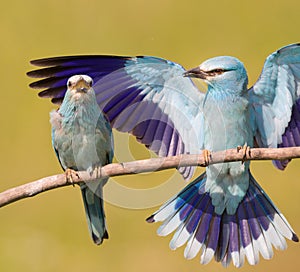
{"x": 77, "y": 138}
{"x": 226, "y": 123}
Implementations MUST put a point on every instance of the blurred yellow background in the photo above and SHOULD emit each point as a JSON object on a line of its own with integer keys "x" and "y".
{"x": 49, "y": 232}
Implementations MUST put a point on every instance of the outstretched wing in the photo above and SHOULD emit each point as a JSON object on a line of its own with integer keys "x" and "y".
{"x": 146, "y": 96}
{"x": 275, "y": 101}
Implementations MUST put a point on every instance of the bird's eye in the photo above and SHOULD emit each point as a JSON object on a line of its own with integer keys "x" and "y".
{"x": 91, "y": 83}
{"x": 217, "y": 71}
{"x": 69, "y": 84}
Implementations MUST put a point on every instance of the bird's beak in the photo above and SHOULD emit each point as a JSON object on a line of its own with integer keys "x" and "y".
{"x": 196, "y": 72}
{"x": 81, "y": 86}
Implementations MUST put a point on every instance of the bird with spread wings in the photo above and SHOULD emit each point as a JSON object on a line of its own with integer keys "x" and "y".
{"x": 224, "y": 213}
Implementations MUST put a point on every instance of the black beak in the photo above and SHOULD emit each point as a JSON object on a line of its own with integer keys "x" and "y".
{"x": 196, "y": 72}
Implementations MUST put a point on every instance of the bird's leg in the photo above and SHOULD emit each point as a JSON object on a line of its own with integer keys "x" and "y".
{"x": 70, "y": 173}
{"x": 246, "y": 151}
{"x": 206, "y": 154}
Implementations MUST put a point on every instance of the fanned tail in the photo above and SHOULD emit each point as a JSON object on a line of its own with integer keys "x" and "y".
{"x": 93, "y": 204}
{"x": 256, "y": 226}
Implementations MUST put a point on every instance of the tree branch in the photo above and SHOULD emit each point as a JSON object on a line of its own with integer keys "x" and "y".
{"x": 149, "y": 165}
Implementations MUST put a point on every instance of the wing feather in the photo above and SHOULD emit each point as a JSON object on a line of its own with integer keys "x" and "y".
{"x": 275, "y": 101}
{"x": 146, "y": 96}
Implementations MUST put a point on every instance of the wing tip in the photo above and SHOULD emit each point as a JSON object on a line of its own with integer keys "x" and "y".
{"x": 54, "y": 61}
{"x": 43, "y": 62}
{"x": 150, "y": 219}
{"x": 281, "y": 164}
{"x": 288, "y": 47}
{"x": 35, "y": 85}
{"x": 31, "y": 74}
{"x": 295, "y": 238}
{"x": 57, "y": 101}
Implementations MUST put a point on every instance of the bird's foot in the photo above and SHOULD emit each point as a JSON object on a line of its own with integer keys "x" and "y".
{"x": 246, "y": 151}
{"x": 206, "y": 154}
{"x": 70, "y": 173}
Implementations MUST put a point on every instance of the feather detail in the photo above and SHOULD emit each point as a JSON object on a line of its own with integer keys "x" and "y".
{"x": 252, "y": 230}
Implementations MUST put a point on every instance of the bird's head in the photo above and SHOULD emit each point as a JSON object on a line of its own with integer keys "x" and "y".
{"x": 79, "y": 83}
{"x": 79, "y": 87}
{"x": 224, "y": 72}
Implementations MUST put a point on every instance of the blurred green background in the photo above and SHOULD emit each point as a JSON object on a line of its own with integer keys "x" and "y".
{"x": 49, "y": 232}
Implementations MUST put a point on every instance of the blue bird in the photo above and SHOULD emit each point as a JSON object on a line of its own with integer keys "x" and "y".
{"x": 82, "y": 140}
{"x": 223, "y": 213}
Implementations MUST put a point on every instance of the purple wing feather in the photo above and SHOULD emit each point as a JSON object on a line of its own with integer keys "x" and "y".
{"x": 134, "y": 93}
{"x": 275, "y": 102}
{"x": 291, "y": 136}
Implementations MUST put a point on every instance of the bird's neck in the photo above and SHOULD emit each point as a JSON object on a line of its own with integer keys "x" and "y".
{"x": 83, "y": 107}
{"x": 226, "y": 100}
{"x": 235, "y": 89}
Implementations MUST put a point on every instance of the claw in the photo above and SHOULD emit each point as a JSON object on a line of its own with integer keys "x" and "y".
{"x": 95, "y": 170}
{"x": 206, "y": 154}
{"x": 246, "y": 151}
{"x": 70, "y": 173}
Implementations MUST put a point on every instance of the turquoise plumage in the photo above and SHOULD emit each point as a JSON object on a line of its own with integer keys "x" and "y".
{"x": 82, "y": 139}
{"x": 223, "y": 213}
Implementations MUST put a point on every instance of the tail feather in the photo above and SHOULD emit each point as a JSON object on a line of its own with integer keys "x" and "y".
{"x": 257, "y": 225}
{"x": 197, "y": 241}
{"x": 210, "y": 246}
{"x": 252, "y": 230}
{"x": 93, "y": 204}
{"x": 184, "y": 211}
{"x": 188, "y": 226}
{"x": 270, "y": 211}
{"x": 223, "y": 241}
{"x": 245, "y": 234}
{"x": 234, "y": 242}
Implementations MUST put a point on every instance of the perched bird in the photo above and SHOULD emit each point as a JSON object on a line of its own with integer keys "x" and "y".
{"x": 223, "y": 213}
{"x": 82, "y": 140}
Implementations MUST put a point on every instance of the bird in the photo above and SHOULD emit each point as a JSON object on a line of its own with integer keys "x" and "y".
{"x": 224, "y": 213}
{"x": 82, "y": 140}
